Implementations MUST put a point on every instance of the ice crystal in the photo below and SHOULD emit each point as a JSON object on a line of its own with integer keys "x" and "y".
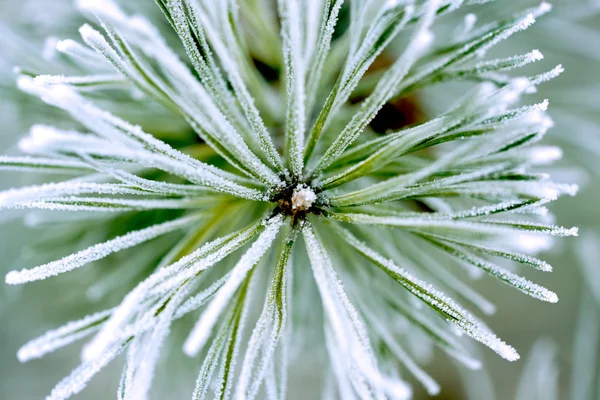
{"x": 286, "y": 171}
{"x": 303, "y": 198}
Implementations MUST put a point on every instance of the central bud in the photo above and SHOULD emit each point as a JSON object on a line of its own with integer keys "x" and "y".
{"x": 303, "y": 198}
{"x": 297, "y": 200}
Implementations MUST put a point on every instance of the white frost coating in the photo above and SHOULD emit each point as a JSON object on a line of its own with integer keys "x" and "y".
{"x": 267, "y": 331}
{"x": 158, "y": 187}
{"x": 149, "y": 319}
{"x": 544, "y": 8}
{"x": 482, "y": 210}
{"x": 436, "y": 269}
{"x": 385, "y": 88}
{"x": 521, "y": 25}
{"x": 131, "y": 148}
{"x": 543, "y": 155}
{"x": 101, "y": 8}
{"x": 39, "y": 164}
{"x": 199, "y": 299}
{"x": 537, "y": 118}
{"x": 66, "y": 45}
{"x": 187, "y": 267}
{"x": 530, "y": 243}
{"x": 545, "y": 77}
{"x": 136, "y": 141}
{"x": 228, "y": 367}
{"x": 518, "y": 282}
{"x": 342, "y": 334}
{"x": 424, "y": 38}
{"x": 526, "y": 22}
{"x": 504, "y": 64}
{"x": 128, "y": 369}
{"x": 543, "y": 106}
{"x": 58, "y": 95}
{"x": 348, "y": 330}
{"x": 96, "y": 252}
{"x": 93, "y": 37}
{"x": 342, "y": 382}
{"x": 569, "y": 189}
{"x": 491, "y": 227}
{"x": 514, "y": 242}
{"x": 322, "y": 50}
{"x": 66, "y": 334}
{"x": 203, "y": 328}
{"x": 102, "y": 204}
{"x": 303, "y": 198}
{"x": 77, "y": 80}
{"x": 14, "y": 198}
{"x": 293, "y": 46}
{"x": 430, "y": 295}
{"x": 150, "y": 349}
{"x": 244, "y": 97}
{"x": 185, "y": 92}
{"x": 96, "y": 41}
{"x": 78, "y": 379}
{"x": 534, "y": 55}
{"x": 209, "y": 365}
{"x": 512, "y": 92}
{"x": 443, "y": 338}
{"x": 82, "y": 54}
{"x": 43, "y": 139}
{"x": 467, "y": 26}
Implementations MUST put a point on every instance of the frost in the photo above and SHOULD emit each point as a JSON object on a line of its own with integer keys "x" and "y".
{"x": 545, "y": 77}
{"x": 504, "y": 275}
{"x": 96, "y": 252}
{"x": 457, "y": 188}
{"x": 243, "y": 96}
{"x": 62, "y": 336}
{"x": 78, "y": 379}
{"x": 203, "y": 327}
{"x": 39, "y": 164}
{"x": 384, "y": 90}
{"x": 437, "y": 300}
{"x": 545, "y": 155}
{"x": 347, "y": 327}
{"x": 303, "y": 198}
{"x": 293, "y": 44}
{"x": 104, "y": 8}
{"x": 491, "y": 227}
{"x": 77, "y": 80}
{"x": 21, "y": 197}
{"x": 171, "y": 276}
{"x": 99, "y": 204}
{"x": 151, "y": 345}
{"x": 532, "y": 244}
{"x": 535, "y": 55}
{"x": 141, "y": 146}
{"x": 268, "y": 330}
